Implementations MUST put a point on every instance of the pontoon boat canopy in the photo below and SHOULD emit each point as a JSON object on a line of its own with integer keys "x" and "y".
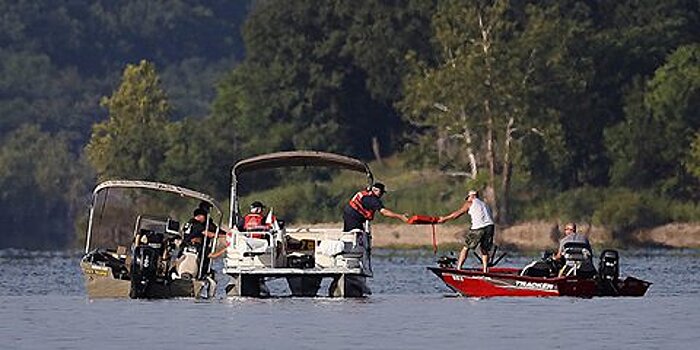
{"x": 289, "y": 159}
{"x": 300, "y": 158}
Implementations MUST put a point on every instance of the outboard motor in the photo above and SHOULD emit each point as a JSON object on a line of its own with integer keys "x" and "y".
{"x": 609, "y": 265}
{"x": 148, "y": 249}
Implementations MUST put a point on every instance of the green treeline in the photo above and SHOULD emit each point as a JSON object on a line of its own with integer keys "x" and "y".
{"x": 58, "y": 59}
{"x": 587, "y": 110}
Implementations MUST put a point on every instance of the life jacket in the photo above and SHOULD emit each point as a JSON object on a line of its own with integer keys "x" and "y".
{"x": 356, "y": 203}
{"x": 253, "y": 221}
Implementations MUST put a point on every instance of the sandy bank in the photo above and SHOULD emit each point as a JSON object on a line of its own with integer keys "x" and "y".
{"x": 532, "y": 235}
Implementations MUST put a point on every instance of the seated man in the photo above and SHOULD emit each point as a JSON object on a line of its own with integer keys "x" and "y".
{"x": 195, "y": 231}
{"x": 197, "y": 228}
{"x": 576, "y": 250}
{"x": 206, "y": 206}
{"x": 255, "y": 220}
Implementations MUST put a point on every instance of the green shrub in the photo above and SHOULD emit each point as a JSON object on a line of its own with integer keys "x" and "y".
{"x": 683, "y": 211}
{"x": 577, "y": 205}
{"x": 624, "y": 210}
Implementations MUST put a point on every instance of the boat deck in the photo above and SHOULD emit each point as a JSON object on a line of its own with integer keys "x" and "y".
{"x": 288, "y": 272}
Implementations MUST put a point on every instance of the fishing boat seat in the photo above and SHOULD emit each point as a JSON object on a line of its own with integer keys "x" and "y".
{"x": 578, "y": 260}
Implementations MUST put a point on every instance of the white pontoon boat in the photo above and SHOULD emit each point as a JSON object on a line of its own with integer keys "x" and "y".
{"x": 303, "y": 256}
{"x": 134, "y": 244}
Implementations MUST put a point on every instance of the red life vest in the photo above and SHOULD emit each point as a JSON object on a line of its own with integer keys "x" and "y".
{"x": 253, "y": 221}
{"x": 356, "y": 203}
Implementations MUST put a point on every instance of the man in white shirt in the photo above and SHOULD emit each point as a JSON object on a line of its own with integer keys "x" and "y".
{"x": 482, "y": 228}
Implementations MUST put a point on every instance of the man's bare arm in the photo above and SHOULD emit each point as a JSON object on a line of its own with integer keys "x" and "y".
{"x": 388, "y": 213}
{"x": 457, "y": 213}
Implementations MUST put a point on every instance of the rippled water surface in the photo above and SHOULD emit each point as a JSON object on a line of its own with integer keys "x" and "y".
{"x": 43, "y": 305}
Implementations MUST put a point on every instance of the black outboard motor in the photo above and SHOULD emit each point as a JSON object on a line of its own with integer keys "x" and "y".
{"x": 146, "y": 259}
{"x": 609, "y": 265}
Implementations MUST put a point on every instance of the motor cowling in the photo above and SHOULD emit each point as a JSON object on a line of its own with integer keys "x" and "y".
{"x": 145, "y": 262}
{"x": 609, "y": 265}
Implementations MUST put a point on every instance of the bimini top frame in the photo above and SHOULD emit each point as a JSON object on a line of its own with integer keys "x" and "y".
{"x": 291, "y": 159}
{"x": 156, "y": 186}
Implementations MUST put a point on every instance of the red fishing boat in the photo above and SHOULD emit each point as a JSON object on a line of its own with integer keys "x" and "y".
{"x": 535, "y": 280}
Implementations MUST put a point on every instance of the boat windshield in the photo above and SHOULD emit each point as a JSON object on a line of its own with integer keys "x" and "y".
{"x": 116, "y": 212}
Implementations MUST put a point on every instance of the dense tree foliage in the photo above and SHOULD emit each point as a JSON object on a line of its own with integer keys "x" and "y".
{"x": 652, "y": 145}
{"x": 58, "y": 58}
{"x": 323, "y": 75}
{"x": 43, "y": 188}
{"x": 132, "y": 142}
{"x": 536, "y": 102}
{"x": 499, "y": 66}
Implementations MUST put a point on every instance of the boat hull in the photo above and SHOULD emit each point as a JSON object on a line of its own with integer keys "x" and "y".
{"x": 101, "y": 283}
{"x": 505, "y": 282}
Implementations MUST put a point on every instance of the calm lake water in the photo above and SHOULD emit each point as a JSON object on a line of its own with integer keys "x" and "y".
{"x": 43, "y": 305}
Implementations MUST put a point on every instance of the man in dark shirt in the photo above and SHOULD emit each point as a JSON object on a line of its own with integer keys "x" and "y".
{"x": 206, "y": 206}
{"x": 195, "y": 228}
{"x": 363, "y": 205}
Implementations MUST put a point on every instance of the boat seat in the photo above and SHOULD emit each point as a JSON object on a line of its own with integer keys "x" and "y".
{"x": 331, "y": 247}
{"x": 578, "y": 260}
{"x": 256, "y": 245}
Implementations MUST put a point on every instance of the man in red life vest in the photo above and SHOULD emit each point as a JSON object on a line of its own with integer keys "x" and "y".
{"x": 255, "y": 220}
{"x": 363, "y": 205}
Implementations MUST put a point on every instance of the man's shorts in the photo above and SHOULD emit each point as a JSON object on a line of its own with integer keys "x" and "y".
{"x": 480, "y": 237}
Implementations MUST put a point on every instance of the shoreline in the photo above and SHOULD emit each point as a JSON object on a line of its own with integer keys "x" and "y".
{"x": 530, "y": 236}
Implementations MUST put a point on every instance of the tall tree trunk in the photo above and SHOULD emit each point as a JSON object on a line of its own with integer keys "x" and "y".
{"x": 470, "y": 154}
{"x": 507, "y": 167}
{"x": 441, "y": 144}
{"x": 490, "y": 194}
{"x": 467, "y": 135}
{"x": 375, "y": 150}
